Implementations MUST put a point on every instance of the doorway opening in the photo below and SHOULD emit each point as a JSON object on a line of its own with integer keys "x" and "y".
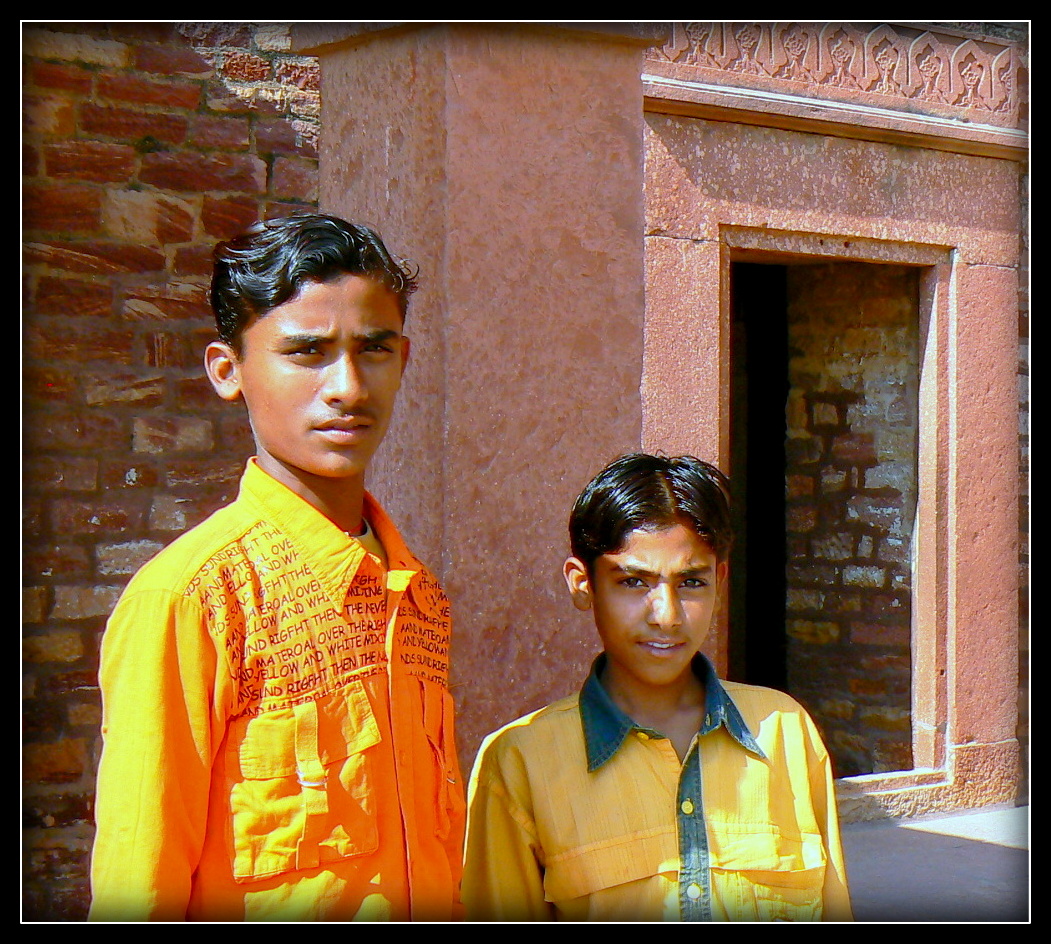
{"x": 823, "y": 460}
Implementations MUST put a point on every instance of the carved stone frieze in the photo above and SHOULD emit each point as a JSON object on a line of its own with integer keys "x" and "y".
{"x": 888, "y": 65}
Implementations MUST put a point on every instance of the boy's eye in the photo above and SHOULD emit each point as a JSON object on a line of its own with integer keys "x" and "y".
{"x": 633, "y": 582}
{"x": 694, "y": 583}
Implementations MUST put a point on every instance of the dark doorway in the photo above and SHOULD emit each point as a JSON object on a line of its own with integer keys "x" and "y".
{"x": 759, "y": 354}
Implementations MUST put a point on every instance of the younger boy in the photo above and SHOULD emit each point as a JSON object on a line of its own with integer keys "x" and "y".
{"x": 659, "y": 792}
{"x": 276, "y": 745}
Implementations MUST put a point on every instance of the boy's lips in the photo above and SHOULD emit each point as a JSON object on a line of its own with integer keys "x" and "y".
{"x": 661, "y": 646}
{"x": 345, "y": 429}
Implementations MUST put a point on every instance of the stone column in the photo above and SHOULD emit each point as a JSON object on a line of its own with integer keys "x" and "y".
{"x": 507, "y": 161}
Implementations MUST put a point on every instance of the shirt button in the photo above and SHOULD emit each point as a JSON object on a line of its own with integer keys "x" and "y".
{"x": 687, "y": 807}
{"x": 693, "y": 892}
{"x": 642, "y": 735}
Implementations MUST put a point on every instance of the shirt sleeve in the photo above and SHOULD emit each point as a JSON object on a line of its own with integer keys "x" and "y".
{"x": 160, "y": 732}
{"x": 503, "y": 869}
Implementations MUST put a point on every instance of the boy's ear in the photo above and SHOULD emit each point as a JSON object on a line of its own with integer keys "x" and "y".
{"x": 579, "y": 583}
{"x": 224, "y": 369}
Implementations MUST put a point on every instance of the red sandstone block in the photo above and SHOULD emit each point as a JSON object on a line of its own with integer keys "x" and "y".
{"x": 196, "y": 393}
{"x": 856, "y": 449}
{"x": 127, "y": 124}
{"x": 63, "y": 761}
{"x": 40, "y": 382}
{"x": 193, "y": 260}
{"x": 304, "y": 73}
{"x": 232, "y": 35}
{"x": 182, "y": 301}
{"x": 80, "y": 603}
{"x": 53, "y": 646}
{"x": 67, "y": 561}
{"x": 171, "y": 60}
{"x": 128, "y": 472}
{"x": 124, "y": 388}
{"x": 34, "y": 604}
{"x": 167, "y": 434}
{"x": 221, "y": 474}
{"x": 144, "y": 32}
{"x": 61, "y": 473}
{"x": 166, "y": 349}
{"x": 224, "y": 217}
{"x": 72, "y": 517}
{"x": 295, "y": 178}
{"x": 134, "y": 89}
{"x": 73, "y": 297}
{"x": 187, "y": 171}
{"x": 880, "y": 634}
{"x": 86, "y": 430}
{"x": 90, "y": 160}
{"x": 220, "y": 132}
{"x": 95, "y": 257}
{"x": 58, "y": 810}
{"x": 246, "y": 67}
{"x": 125, "y": 558}
{"x": 79, "y": 342}
{"x": 54, "y": 75}
{"x": 59, "y": 207}
{"x": 48, "y": 114}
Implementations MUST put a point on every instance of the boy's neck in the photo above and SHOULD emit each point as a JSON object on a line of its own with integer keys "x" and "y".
{"x": 338, "y": 499}
{"x": 676, "y": 710}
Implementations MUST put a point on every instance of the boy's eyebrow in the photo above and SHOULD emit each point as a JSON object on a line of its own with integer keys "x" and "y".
{"x": 634, "y": 570}
{"x": 367, "y": 337}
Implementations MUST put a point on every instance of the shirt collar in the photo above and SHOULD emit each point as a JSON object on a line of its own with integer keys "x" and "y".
{"x": 606, "y": 726}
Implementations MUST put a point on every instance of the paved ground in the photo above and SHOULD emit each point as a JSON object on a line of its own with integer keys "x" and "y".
{"x": 961, "y": 867}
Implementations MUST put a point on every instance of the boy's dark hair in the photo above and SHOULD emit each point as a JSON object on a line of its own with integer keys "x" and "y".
{"x": 650, "y": 492}
{"x": 267, "y": 264}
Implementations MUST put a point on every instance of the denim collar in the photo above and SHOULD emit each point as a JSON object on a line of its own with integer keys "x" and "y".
{"x": 606, "y": 726}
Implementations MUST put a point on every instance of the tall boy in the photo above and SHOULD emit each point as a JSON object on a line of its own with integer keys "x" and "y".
{"x": 659, "y": 792}
{"x": 277, "y": 747}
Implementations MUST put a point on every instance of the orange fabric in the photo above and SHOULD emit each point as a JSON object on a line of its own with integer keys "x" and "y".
{"x": 278, "y": 729}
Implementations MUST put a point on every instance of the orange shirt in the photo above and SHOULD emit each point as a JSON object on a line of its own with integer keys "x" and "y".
{"x": 278, "y": 729}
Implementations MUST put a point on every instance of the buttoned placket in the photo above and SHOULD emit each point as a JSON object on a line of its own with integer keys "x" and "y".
{"x": 695, "y": 886}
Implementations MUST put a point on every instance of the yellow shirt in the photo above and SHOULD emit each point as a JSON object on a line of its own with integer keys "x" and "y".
{"x": 578, "y": 814}
{"x": 278, "y": 730}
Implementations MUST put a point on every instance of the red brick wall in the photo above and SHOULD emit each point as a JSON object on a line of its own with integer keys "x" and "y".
{"x": 143, "y": 145}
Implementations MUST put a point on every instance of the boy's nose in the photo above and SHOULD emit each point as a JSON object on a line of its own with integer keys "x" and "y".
{"x": 664, "y": 607}
{"x": 343, "y": 382}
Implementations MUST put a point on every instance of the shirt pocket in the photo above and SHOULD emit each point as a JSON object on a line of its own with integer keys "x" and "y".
{"x": 450, "y": 809}
{"x": 302, "y": 784}
{"x": 769, "y": 876}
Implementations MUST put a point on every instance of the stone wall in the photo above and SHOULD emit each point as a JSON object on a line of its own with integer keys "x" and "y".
{"x": 851, "y": 488}
{"x": 143, "y": 145}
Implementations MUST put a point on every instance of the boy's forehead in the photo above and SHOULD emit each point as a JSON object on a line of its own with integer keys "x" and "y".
{"x": 677, "y": 541}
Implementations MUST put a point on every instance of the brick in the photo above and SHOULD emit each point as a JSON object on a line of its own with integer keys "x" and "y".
{"x": 165, "y": 349}
{"x": 137, "y": 90}
{"x": 222, "y": 474}
{"x": 193, "y": 260}
{"x": 153, "y": 218}
{"x": 34, "y": 604}
{"x": 172, "y": 513}
{"x": 220, "y": 132}
{"x": 194, "y": 394}
{"x": 225, "y": 217}
{"x": 53, "y": 646}
{"x": 124, "y": 559}
{"x": 124, "y": 388}
{"x": 886, "y": 718}
{"x": 801, "y": 518}
{"x": 60, "y": 473}
{"x": 94, "y": 257}
{"x": 172, "y": 60}
{"x": 294, "y": 178}
{"x": 290, "y": 137}
{"x": 123, "y": 473}
{"x": 73, "y": 430}
{"x": 797, "y": 600}
{"x": 90, "y": 160}
{"x": 855, "y": 449}
{"x": 51, "y": 810}
{"x": 173, "y": 300}
{"x": 187, "y": 171}
{"x": 76, "y": 603}
{"x": 48, "y": 115}
{"x": 799, "y": 486}
{"x": 273, "y": 37}
{"x": 245, "y": 67}
{"x": 165, "y": 434}
{"x": 61, "y": 76}
{"x": 876, "y": 510}
{"x": 72, "y": 516}
{"x": 74, "y": 682}
{"x": 813, "y": 631}
{"x": 127, "y": 124}
{"x": 302, "y": 73}
{"x": 825, "y": 414}
{"x": 838, "y": 546}
{"x": 205, "y": 35}
{"x": 74, "y": 47}
{"x": 73, "y": 298}
{"x": 881, "y": 634}
{"x": 84, "y": 715}
{"x": 78, "y": 343}
{"x": 61, "y": 208}
{"x": 864, "y": 576}
{"x": 63, "y": 761}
